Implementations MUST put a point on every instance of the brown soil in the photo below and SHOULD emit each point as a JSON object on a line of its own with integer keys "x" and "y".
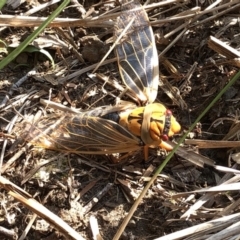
{"x": 68, "y": 184}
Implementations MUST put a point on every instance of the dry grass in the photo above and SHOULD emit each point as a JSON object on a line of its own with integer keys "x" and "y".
{"x": 193, "y": 198}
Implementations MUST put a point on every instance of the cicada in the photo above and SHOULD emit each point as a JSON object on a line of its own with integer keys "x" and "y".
{"x": 108, "y": 130}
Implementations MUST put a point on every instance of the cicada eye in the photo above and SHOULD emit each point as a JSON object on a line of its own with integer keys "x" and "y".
{"x": 164, "y": 137}
{"x": 168, "y": 112}
{"x": 167, "y": 125}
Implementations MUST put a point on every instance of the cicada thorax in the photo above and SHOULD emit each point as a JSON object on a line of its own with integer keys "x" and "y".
{"x": 153, "y": 123}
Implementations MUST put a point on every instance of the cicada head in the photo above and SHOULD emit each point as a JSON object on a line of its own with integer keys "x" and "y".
{"x": 154, "y": 124}
{"x": 171, "y": 126}
{"x": 157, "y": 125}
{"x": 162, "y": 124}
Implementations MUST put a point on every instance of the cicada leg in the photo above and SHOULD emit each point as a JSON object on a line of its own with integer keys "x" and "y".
{"x": 166, "y": 146}
{"x": 162, "y": 145}
{"x": 120, "y": 159}
{"x": 146, "y": 152}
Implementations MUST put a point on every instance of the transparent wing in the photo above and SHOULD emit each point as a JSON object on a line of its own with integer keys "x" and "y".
{"x": 82, "y": 134}
{"x": 137, "y": 53}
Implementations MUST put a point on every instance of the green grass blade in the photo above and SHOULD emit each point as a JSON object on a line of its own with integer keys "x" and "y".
{"x": 30, "y": 38}
{"x": 137, "y": 202}
{"x": 2, "y": 3}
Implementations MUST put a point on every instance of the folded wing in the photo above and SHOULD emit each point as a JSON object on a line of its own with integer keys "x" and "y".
{"x": 137, "y": 53}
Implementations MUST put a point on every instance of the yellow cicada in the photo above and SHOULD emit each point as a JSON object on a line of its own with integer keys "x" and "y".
{"x": 109, "y": 130}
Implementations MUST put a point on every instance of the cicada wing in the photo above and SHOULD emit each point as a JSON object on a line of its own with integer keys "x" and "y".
{"x": 83, "y": 134}
{"x": 137, "y": 53}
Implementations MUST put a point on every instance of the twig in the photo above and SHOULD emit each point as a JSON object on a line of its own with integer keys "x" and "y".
{"x": 94, "y": 227}
{"x": 27, "y": 229}
{"x": 17, "y": 85}
{"x": 212, "y": 143}
{"x": 222, "y": 48}
{"x": 27, "y": 200}
{"x": 216, "y": 224}
{"x": 81, "y": 71}
{"x": 9, "y": 129}
{"x": 95, "y": 200}
{"x": 9, "y": 233}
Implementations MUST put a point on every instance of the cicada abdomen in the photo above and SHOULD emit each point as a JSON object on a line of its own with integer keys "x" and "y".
{"x": 136, "y": 52}
{"x": 82, "y": 134}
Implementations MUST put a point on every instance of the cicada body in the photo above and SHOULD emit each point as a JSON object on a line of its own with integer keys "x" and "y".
{"x": 113, "y": 130}
{"x": 105, "y": 132}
